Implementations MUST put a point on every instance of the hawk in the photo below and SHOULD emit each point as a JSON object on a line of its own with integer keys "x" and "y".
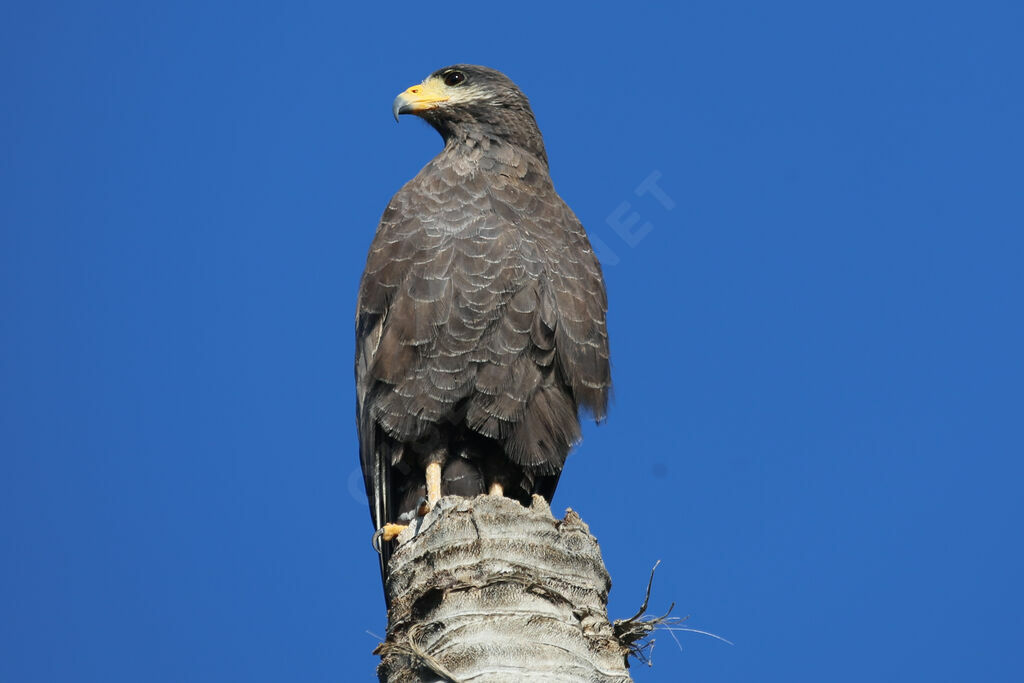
{"x": 480, "y": 326}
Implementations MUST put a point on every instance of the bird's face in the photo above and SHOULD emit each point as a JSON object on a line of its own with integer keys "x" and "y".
{"x": 460, "y": 93}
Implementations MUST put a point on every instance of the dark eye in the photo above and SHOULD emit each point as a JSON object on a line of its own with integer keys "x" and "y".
{"x": 454, "y": 78}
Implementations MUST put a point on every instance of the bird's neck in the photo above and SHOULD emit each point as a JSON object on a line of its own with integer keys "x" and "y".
{"x": 479, "y": 138}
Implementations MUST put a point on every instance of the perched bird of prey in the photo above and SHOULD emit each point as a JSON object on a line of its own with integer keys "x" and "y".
{"x": 480, "y": 328}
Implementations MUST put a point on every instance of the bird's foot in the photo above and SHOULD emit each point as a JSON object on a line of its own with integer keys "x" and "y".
{"x": 388, "y": 532}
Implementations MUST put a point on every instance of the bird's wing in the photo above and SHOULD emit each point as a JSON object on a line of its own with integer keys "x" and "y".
{"x": 552, "y": 328}
{"x": 387, "y": 262}
{"x": 581, "y": 335}
{"x": 573, "y": 302}
{"x": 368, "y": 332}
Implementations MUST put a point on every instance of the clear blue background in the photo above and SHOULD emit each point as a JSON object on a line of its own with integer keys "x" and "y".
{"x": 817, "y": 349}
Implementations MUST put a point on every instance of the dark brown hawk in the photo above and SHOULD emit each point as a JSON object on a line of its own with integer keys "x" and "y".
{"x": 480, "y": 329}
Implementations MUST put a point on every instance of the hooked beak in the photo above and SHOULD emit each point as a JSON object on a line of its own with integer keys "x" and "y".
{"x": 419, "y": 98}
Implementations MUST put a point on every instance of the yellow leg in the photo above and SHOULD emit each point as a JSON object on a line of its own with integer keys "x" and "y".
{"x": 433, "y": 484}
{"x": 496, "y": 489}
{"x": 389, "y": 532}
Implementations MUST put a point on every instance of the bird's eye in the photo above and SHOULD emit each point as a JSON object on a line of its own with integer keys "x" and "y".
{"x": 454, "y": 78}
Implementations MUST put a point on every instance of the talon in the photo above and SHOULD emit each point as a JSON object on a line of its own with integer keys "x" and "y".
{"x": 388, "y": 532}
{"x": 423, "y": 508}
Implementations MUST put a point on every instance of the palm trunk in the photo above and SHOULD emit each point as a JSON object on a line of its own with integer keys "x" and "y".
{"x": 487, "y": 590}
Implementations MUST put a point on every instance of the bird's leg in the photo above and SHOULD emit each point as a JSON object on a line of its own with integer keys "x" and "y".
{"x": 433, "y": 484}
{"x": 433, "y": 452}
{"x": 497, "y": 471}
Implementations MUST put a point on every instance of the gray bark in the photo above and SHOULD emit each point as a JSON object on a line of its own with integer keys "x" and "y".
{"x": 484, "y": 589}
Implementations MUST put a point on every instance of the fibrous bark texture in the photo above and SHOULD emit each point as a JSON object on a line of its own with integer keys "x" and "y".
{"x": 485, "y": 590}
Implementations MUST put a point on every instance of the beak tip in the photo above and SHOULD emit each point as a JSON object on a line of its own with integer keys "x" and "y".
{"x": 399, "y": 106}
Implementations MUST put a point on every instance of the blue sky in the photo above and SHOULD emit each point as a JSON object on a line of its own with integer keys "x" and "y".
{"x": 816, "y": 330}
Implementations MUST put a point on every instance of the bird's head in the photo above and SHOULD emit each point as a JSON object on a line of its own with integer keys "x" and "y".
{"x": 466, "y": 101}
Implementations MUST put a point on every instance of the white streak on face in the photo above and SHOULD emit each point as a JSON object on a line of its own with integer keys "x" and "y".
{"x": 461, "y": 94}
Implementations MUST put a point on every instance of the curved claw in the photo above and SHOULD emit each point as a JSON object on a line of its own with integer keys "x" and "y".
{"x": 388, "y": 532}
